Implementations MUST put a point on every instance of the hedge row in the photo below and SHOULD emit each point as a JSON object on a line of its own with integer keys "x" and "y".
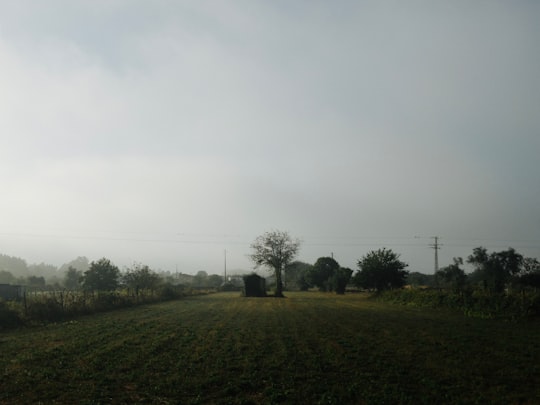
{"x": 474, "y": 302}
{"x": 57, "y": 306}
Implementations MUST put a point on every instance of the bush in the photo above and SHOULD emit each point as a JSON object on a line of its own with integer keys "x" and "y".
{"x": 53, "y": 306}
{"x": 44, "y": 309}
{"x": 171, "y": 292}
{"x": 76, "y": 303}
{"x": 106, "y": 301}
{"x": 476, "y": 303}
{"x": 230, "y": 287}
{"x": 9, "y": 317}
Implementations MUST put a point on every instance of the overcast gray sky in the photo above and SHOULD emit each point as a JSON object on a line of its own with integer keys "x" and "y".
{"x": 165, "y": 132}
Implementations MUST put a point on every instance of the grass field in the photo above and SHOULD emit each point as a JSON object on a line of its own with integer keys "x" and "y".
{"x": 308, "y": 348}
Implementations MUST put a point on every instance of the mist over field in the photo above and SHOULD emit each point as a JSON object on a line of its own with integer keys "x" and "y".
{"x": 168, "y": 133}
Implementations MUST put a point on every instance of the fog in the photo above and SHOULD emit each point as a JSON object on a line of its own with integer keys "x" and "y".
{"x": 166, "y": 133}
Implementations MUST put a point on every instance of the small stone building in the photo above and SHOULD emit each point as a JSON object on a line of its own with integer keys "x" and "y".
{"x": 254, "y": 286}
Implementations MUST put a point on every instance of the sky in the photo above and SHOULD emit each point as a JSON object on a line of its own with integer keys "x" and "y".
{"x": 168, "y": 132}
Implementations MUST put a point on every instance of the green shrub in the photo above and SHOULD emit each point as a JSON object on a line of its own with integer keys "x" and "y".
{"x": 55, "y": 306}
{"x": 9, "y": 317}
{"x": 171, "y": 292}
{"x": 476, "y": 302}
{"x": 106, "y": 301}
{"x": 44, "y": 309}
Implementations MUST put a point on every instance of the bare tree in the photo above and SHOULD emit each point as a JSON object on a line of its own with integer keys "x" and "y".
{"x": 275, "y": 250}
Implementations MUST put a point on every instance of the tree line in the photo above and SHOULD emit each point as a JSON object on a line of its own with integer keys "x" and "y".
{"x": 14, "y": 270}
{"x": 101, "y": 287}
{"x": 495, "y": 272}
{"x": 377, "y": 270}
{"x": 382, "y": 269}
{"x": 276, "y": 250}
{"x": 502, "y": 284}
{"x": 102, "y": 274}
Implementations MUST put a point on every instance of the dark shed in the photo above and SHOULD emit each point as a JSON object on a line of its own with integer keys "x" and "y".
{"x": 254, "y": 286}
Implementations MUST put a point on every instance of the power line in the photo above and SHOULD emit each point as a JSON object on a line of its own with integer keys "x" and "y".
{"x": 312, "y": 240}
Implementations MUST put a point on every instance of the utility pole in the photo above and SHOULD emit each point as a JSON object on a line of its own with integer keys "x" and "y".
{"x": 225, "y": 276}
{"x": 436, "y": 246}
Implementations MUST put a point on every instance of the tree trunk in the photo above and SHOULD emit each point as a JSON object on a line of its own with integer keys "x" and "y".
{"x": 279, "y": 284}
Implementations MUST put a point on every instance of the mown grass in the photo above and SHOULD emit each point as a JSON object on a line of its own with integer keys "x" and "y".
{"x": 306, "y": 349}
